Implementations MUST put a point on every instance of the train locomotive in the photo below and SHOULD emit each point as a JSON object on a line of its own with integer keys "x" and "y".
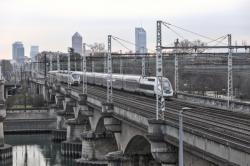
{"x": 65, "y": 77}
{"x": 129, "y": 83}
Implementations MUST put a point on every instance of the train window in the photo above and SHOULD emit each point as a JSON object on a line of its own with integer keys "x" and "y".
{"x": 166, "y": 85}
{"x": 151, "y": 79}
{"x": 75, "y": 76}
{"x": 147, "y": 87}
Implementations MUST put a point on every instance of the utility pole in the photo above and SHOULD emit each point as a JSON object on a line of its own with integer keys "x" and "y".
{"x": 50, "y": 66}
{"x": 105, "y": 62}
{"x": 50, "y": 63}
{"x": 121, "y": 72}
{"x": 176, "y": 68}
{"x": 58, "y": 61}
{"x": 230, "y": 72}
{"x": 93, "y": 65}
{"x": 180, "y": 138}
{"x": 75, "y": 62}
{"x": 37, "y": 67}
{"x": 45, "y": 67}
{"x": 143, "y": 64}
{"x": 21, "y": 74}
{"x": 109, "y": 77}
{"x": 160, "y": 101}
{"x": 25, "y": 87}
{"x": 70, "y": 51}
{"x": 184, "y": 109}
{"x": 84, "y": 68}
{"x": 45, "y": 76}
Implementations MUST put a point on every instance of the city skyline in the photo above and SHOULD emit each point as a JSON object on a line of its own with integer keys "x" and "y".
{"x": 40, "y": 23}
{"x": 18, "y": 52}
{"x": 77, "y": 43}
{"x": 140, "y": 40}
{"x": 34, "y": 50}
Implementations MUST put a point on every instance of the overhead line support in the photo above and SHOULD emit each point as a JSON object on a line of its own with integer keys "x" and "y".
{"x": 230, "y": 72}
{"x": 109, "y": 76}
{"x": 84, "y": 69}
{"x": 160, "y": 101}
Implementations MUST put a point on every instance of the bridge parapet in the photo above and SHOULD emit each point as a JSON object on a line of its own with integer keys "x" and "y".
{"x": 198, "y": 143}
{"x": 215, "y": 102}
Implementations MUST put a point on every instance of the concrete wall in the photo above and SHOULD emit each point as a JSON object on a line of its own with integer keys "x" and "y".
{"x": 30, "y": 120}
{"x": 216, "y": 103}
{"x": 30, "y": 114}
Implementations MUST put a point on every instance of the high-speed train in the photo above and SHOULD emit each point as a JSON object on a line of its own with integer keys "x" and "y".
{"x": 130, "y": 83}
{"x": 64, "y": 77}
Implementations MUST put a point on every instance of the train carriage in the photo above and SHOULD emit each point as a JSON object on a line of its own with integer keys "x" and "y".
{"x": 117, "y": 81}
{"x": 147, "y": 85}
{"x": 130, "y": 83}
{"x": 99, "y": 79}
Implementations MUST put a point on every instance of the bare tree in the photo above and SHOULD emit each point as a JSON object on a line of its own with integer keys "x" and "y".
{"x": 184, "y": 44}
{"x": 97, "y": 47}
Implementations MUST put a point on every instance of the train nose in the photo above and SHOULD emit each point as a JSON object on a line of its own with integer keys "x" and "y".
{"x": 168, "y": 91}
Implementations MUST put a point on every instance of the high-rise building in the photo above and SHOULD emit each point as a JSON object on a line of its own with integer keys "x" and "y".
{"x": 140, "y": 40}
{"x": 18, "y": 52}
{"x": 77, "y": 43}
{"x": 34, "y": 50}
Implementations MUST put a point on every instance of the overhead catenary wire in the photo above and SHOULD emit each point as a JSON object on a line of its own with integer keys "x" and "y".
{"x": 121, "y": 44}
{"x": 129, "y": 42}
{"x": 192, "y": 44}
{"x": 166, "y": 24}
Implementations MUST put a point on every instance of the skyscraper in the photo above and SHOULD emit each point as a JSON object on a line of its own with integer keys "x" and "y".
{"x": 77, "y": 43}
{"x": 140, "y": 40}
{"x": 18, "y": 52}
{"x": 34, "y": 50}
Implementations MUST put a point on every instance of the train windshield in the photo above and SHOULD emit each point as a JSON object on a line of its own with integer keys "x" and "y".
{"x": 75, "y": 76}
{"x": 166, "y": 85}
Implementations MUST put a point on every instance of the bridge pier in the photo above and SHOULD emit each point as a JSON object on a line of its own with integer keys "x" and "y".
{"x": 111, "y": 124}
{"x": 94, "y": 148}
{"x": 75, "y": 127}
{"x": 59, "y": 134}
{"x": 5, "y": 149}
{"x": 164, "y": 153}
{"x": 116, "y": 158}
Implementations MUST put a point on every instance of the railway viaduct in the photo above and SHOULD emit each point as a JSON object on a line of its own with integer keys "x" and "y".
{"x": 100, "y": 134}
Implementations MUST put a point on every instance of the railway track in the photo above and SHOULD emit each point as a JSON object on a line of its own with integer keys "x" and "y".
{"x": 230, "y": 126}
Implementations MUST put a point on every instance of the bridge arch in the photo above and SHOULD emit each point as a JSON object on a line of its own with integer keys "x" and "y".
{"x": 95, "y": 119}
{"x": 138, "y": 150}
{"x": 100, "y": 128}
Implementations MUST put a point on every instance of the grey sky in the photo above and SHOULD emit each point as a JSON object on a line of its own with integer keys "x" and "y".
{"x": 50, "y": 24}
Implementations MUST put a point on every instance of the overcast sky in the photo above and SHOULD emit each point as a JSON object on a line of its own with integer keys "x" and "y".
{"x": 51, "y": 23}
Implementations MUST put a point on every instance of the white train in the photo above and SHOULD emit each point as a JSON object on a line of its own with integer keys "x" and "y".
{"x": 130, "y": 83}
{"x": 64, "y": 77}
